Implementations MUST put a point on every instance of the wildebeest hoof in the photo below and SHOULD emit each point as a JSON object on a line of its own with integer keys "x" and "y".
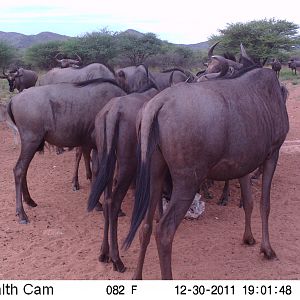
{"x": 23, "y": 221}
{"x": 98, "y": 207}
{"x": 249, "y": 241}
{"x": 119, "y": 266}
{"x": 76, "y": 187}
{"x": 208, "y": 195}
{"x": 30, "y": 202}
{"x": 268, "y": 253}
{"x": 223, "y": 201}
{"x": 121, "y": 213}
{"x": 59, "y": 150}
{"x": 104, "y": 258}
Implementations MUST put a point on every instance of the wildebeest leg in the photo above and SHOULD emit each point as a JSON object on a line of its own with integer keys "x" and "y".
{"x": 269, "y": 167}
{"x": 126, "y": 172}
{"x": 184, "y": 190}
{"x": 104, "y": 252}
{"x": 158, "y": 171}
{"x": 87, "y": 163}
{"x": 257, "y": 173}
{"x": 26, "y": 196}
{"x": 95, "y": 165}
{"x": 225, "y": 194}
{"x": 246, "y": 195}
{"x": 75, "y": 182}
{"x": 28, "y": 150}
{"x": 205, "y": 188}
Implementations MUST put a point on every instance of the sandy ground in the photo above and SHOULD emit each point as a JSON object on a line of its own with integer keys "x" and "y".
{"x": 62, "y": 240}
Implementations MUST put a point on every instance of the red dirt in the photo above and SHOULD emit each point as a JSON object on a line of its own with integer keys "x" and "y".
{"x": 62, "y": 240}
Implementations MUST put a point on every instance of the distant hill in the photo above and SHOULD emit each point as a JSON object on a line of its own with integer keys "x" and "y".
{"x": 20, "y": 40}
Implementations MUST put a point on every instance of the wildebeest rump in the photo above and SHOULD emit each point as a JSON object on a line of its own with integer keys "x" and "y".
{"x": 20, "y": 79}
{"x": 62, "y": 114}
{"x": 213, "y": 134}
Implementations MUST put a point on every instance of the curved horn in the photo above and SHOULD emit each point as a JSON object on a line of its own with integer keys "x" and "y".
{"x": 6, "y": 75}
{"x": 208, "y": 76}
{"x": 79, "y": 58}
{"x": 244, "y": 53}
{"x": 58, "y": 60}
{"x": 211, "y": 49}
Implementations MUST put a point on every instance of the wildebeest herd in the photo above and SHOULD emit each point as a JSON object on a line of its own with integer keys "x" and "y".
{"x": 145, "y": 128}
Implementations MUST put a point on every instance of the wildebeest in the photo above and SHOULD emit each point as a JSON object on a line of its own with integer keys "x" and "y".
{"x": 20, "y": 79}
{"x": 91, "y": 71}
{"x": 69, "y": 75}
{"x": 68, "y": 62}
{"x": 61, "y": 114}
{"x": 116, "y": 141}
{"x": 293, "y": 65}
{"x": 276, "y": 66}
{"x": 212, "y": 134}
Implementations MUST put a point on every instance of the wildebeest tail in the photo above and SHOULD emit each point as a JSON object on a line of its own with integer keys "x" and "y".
{"x": 147, "y": 143}
{"x": 107, "y": 163}
{"x": 9, "y": 111}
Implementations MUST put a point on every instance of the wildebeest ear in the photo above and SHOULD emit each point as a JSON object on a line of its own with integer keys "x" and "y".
{"x": 121, "y": 73}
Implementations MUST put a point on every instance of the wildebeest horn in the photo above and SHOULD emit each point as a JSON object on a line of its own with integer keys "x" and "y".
{"x": 58, "y": 60}
{"x": 208, "y": 76}
{"x": 79, "y": 58}
{"x": 211, "y": 49}
{"x": 244, "y": 53}
{"x": 5, "y": 75}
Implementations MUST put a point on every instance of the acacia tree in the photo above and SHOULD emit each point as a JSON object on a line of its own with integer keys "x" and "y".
{"x": 7, "y": 54}
{"x": 42, "y": 55}
{"x": 138, "y": 48}
{"x": 262, "y": 39}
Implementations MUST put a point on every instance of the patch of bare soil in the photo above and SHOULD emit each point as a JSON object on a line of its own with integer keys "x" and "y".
{"x": 62, "y": 240}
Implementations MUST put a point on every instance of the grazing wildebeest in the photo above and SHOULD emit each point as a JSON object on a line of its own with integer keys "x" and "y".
{"x": 4, "y": 117}
{"x": 61, "y": 114}
{"x": 20, "y": 79}
{"x": 69, "y": 75}
{"x": 293, "y": 65}
{"x": 211, "y": 134}
{"x": 276, "y": 66}
{"x": 68, "y": 62}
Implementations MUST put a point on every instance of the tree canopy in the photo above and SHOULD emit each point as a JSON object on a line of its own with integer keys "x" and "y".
{"x": 7, "y": 54}
{"x": 262, "y": 38}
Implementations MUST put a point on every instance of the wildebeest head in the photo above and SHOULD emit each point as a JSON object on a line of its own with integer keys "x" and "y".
{"x": 68, "y": 62}
{"x": 11, "y": 78}
{"x": 220, "y": 66}
{"x": 134, "y": 78}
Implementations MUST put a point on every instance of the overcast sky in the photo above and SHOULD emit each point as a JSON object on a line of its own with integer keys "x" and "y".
{"x": 183, "y": 21}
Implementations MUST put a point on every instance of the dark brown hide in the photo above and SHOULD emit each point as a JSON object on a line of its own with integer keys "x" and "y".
{"x": 212, "y": 134}
{"x": 63, "y": 119}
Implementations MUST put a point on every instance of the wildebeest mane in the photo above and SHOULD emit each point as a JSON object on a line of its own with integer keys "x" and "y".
{"x": 242, "y": 71}
{"x": 95, "y": 62}
{"x": 173, "y": 69}
{"x": 96, "y": 80}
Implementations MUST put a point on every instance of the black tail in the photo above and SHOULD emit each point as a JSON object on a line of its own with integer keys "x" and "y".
{"x": 106, "y": 167}
{"x": 9, "y": 111}
{"x": 142, "y": 192}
